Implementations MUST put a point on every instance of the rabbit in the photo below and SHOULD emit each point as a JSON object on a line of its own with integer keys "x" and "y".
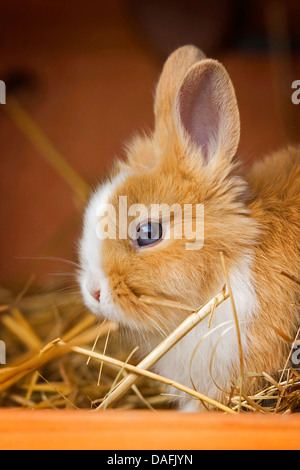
{"x": 252, "y": 216}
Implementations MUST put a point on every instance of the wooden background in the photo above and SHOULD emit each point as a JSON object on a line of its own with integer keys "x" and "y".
{"x": 142, "y": 430}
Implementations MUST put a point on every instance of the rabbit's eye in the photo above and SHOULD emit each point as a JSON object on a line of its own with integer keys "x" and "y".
{"x": 149, "y": 233}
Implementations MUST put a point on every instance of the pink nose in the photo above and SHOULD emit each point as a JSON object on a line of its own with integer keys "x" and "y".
{"x": 96, "y": 294}
{"x": 93, "y": 287}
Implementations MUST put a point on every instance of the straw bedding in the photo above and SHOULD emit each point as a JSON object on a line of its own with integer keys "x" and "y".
{"x": 50, "y": 338}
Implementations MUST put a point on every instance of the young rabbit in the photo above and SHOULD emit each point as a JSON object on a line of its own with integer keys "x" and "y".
{"x": 254, "y": 219}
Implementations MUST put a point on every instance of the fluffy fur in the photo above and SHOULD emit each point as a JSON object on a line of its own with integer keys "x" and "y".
{"x": 254, "y": 219}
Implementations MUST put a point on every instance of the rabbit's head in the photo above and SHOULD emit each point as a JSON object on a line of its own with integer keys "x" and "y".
{"x": 156, "y": 226}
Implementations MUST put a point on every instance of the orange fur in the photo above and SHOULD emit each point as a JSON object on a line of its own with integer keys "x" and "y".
{"x": 275, "y": 205}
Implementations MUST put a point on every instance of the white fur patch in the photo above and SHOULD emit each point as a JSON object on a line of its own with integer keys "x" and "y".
{"x": 90, "y": 253}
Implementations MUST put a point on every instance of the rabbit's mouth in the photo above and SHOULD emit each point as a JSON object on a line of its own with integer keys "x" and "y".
{"x": 110, "y": 298}
{"x": 98, "y": 296}
{"x": 114, "y": 300}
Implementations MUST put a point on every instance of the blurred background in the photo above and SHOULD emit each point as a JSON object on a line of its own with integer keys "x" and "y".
{"x": 81, "y": 78}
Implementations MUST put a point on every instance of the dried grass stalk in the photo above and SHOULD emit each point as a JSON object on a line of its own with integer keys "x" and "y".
{"x": 138, "y": 370}
{"x": 186, "y": 326}
{"x": 51, "y": 351}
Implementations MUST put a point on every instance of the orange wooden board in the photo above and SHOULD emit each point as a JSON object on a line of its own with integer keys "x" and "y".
{"x": 143, "y": 430}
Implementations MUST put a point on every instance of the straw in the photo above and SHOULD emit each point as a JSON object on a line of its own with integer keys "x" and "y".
{"x": 149, "y": 361}
{"x": 138, "y": 370}
{"x": 69, "y": 382}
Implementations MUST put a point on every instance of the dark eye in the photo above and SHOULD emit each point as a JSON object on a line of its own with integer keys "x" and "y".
{"x": 149, "y": 233}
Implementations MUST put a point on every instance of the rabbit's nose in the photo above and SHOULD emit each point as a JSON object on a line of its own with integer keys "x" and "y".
{"x": 96, "y": 294}
{"x": 93, "y": 287}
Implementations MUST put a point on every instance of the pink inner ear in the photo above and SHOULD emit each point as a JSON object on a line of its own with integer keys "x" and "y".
{"x": 200, "y": 109}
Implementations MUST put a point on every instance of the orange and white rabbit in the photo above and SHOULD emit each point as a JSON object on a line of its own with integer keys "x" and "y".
{"x": 254, "y": 219}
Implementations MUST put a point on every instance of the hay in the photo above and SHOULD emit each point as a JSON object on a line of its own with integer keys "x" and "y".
{"x": 61, "y": 356}
{"x": 42, "y": 370}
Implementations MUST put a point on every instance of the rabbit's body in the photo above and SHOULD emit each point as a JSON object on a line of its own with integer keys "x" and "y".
{"x": 275, "y": 205}
{"x": 254, "y": 220}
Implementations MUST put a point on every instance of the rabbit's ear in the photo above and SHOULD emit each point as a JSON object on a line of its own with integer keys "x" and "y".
{"x": 175, "y": 68}
{"x": 206, "y": 110}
